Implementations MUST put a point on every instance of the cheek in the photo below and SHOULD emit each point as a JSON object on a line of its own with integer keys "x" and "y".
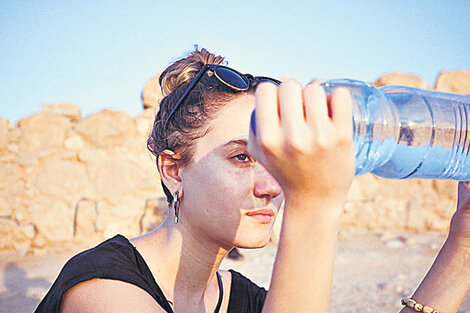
{"x": 219, "y": 184}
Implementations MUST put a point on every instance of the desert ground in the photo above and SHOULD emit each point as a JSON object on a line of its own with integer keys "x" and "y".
{"x": 373, "y": 270}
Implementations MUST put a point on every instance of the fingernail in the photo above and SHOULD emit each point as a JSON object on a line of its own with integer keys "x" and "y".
{"x": 253, "y": 122}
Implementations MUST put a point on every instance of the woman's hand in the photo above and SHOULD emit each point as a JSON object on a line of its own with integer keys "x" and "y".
{"x": 305, "y": 140}
{"x": 459, "y": 232}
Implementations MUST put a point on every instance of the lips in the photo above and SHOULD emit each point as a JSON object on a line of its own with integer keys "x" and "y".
{"x": 264, "y": 216}
{"x": 261, "y": 212}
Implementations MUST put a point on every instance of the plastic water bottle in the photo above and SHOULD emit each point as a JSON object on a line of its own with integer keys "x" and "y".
{"x": 405, "y": 132}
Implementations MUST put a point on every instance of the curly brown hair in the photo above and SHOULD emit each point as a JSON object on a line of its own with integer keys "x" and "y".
{"x": 189, "y": 121}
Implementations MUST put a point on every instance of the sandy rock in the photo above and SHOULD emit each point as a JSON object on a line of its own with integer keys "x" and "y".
{"x": 74, "y": 143}
{"x": 8, "y": 232}
{"x": 71, "y": 111}
{"x": 392, "y": 211}
{"x": 52, "y": 160}
{"x": 445, "y": 188}
{"x": 454, "y": 81}
{"x": 26, "y": 159}
{"x": 122, "y": 215}
{"x": 61, "y": 154}
{"x": 152, "y": 93}
{"x": 85, "y": 219}
{"x": 14, "y": 133}
{"x": 447, "y": 209}
{"x": 10, "y": 174}
{"x": 106, "y": 128}
{"x": 143, "y": 127}
{"x": 417, "y": 219}
{"x": 17, "y": 189}
{"x": 5, "y": 207}
{"x": 28, "y": 230}
{"x": 119, "y": 172}
{"x": 62, "y": 179}
{"x": 39, "y": 242}
{"x": 3, "y": 133}
{"x": 38, "y": 251}
{"x": 7, "y": 157}
{"x": 12, "y": 236}
{"x": 145, "y": 122}
{"x": 91, "y": 155}
{"x": 363, "y": 188}
{"x": 21, "y": 247}
{"x": 395, "y": 188}
{"x": 43, "y": 132}
{"x": 400, "y": 79}
{"x": 53, "y": 220}
{"x": 13, "y": 148}
{"x": 361, "y": 215}
{"x": 154, "y": 212}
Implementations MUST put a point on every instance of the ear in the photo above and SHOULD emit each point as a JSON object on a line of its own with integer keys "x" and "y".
{"x": 169, "y": 166}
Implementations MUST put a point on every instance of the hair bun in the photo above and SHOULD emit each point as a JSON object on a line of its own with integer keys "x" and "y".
{"x": 186, "y": 69}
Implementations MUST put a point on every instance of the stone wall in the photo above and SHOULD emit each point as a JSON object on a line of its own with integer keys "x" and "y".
{"x": 65, "y": 179}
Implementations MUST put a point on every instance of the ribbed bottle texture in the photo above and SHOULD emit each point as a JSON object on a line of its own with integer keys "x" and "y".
{"x": 405, "y": 132}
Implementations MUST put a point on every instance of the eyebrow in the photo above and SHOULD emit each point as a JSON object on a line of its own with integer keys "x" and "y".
{"x": 241, "y": 142}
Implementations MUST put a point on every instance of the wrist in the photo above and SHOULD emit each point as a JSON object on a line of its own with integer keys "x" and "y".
{"x": 458, "y": 253}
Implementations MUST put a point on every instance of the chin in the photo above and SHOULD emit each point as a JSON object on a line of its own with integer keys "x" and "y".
{"x": 253, "y": 242}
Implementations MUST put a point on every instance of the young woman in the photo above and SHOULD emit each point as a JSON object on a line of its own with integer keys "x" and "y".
{"x": 225, "y": 181}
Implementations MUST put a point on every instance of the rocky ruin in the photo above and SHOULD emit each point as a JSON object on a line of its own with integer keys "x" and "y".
{"x": 68, "y": 179}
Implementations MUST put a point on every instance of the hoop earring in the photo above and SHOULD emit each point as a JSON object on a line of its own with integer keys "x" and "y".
{"x": 176, "y": 206}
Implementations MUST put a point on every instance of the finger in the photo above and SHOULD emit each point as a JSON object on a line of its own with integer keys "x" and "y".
{"x": 341, "y": 112}
{"x": 266, "y": 115}
{"x": 316, "y": 108}
{"x": 291, "y": 107}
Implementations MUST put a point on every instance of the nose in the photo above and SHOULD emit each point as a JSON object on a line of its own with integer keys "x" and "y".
{"x": 265, "y": 186}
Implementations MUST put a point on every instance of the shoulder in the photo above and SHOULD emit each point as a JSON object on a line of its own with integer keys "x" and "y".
{"x": 113, "y": 259}
{"x": 106, "y": 295}
{"x": 241, "y": 282}
{"x": 111, "y": 250}
{"x": 245, "y": 295}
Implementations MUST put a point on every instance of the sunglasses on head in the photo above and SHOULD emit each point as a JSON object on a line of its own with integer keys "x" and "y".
{"x": 227, "y": 76}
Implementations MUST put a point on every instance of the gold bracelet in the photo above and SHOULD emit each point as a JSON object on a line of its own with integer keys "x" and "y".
{"x": 418, "y": 307}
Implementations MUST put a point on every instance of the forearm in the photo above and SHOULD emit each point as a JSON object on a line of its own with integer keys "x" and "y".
{"x": 447, "y": 282}
{"x": 303, "y": 270}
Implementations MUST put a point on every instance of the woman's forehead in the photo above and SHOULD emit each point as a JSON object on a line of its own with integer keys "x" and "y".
{"x": 232, "y": 123}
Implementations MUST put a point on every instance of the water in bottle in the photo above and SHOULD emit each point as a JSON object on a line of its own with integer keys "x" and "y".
{"x": 405, "y": 132}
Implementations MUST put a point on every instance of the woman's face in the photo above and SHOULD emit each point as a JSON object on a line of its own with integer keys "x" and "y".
{"x": 227, "y": 196}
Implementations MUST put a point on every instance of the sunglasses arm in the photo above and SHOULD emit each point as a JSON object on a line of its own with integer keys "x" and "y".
{"x": 196, "y": 80}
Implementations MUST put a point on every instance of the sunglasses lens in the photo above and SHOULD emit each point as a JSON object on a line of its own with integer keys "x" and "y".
{"x": 232, "y": 78}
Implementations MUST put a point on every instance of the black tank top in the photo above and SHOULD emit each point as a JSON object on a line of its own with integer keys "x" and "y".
{"x": 118, "y": 259}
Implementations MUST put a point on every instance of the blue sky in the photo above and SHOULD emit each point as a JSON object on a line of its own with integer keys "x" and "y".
{"x": 99, "y": 54}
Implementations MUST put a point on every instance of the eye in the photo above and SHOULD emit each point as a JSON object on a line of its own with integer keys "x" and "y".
{"x": 242, "y": 157}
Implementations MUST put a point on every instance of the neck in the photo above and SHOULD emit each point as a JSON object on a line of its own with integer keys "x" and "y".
{"x": 183, "y": 262}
